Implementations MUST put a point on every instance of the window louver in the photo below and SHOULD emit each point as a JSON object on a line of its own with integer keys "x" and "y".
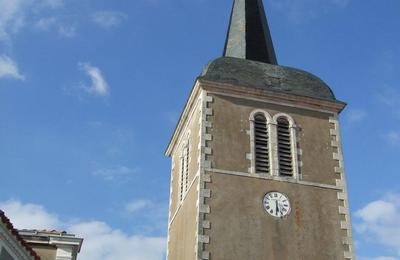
{"x": 186, "y": 169}
{"x": 181, "y": 181}
{"x": 261, "y": 144}
{"x": 284, "y": 148}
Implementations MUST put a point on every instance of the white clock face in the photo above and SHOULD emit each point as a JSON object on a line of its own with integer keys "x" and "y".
{"x": 277, "y": 204}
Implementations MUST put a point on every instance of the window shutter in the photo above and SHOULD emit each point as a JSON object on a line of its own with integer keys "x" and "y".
{"x": 261, "y": 140}
{"x": 284, "y": 148}
{"x": 186, "y": 169}
{"x": 181, "y": 181}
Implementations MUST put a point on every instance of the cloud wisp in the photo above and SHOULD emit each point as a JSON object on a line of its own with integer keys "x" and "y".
{"x": 9, "y": 68}
{"x": 108, "y": 19}
{"x": 101, "y": 241}
{"x": 137, "y": 205}
{"x": 98, "y": 85}
{"x": 379, "y": 222}
{"x": 54, "y": 23}
{"x": 153, "y": 212}
{"x": 393, "y": 138}
{"x": 12, "y": 18}
{"x": 15, "y": 13}
{"x": 355, "y": 116}
{"x": 389, "y": 97}
{"x": 118, "y": 173}
{"x": 300, "y": 11}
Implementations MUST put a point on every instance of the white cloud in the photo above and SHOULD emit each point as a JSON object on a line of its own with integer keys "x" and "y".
{"x": 99, "y": 85}
{"x": 379, "y": 258}
{"x": 53, "y": 3}
{"x": 137, "y": 205}
{"x": 390, "y": 97}
{"x": 46, "y": 24}
{"x": 68, "y": 31}
{"x": 393, "y": 137}
{"x": 15, "y": 12}
{"x": 9, "y": 69}
{"x": 118, "y": 173}
{"x": 342, "y": 3}
{"x": 299, "y": 11}
{"x": 355, "y": 116}
{"x": 379, "y": 222}
{"x": 54, "y": 23}
{"x": 101, "y": 241}
{"x": 12, "y": 17}
{"x": 29, "y": 216}
{"x": 108, "y": 19}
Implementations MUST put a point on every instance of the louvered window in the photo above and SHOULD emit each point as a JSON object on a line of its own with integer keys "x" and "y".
{"x": 184, "y": 172}
{"x": 261, "y": 140}
{"x": 186, "y": 167}
{"x": 284, "y": 148}
{"x": 182, "y": 177}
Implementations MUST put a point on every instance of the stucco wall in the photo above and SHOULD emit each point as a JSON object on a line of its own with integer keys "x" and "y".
{"x": 237, "y": 227}
{"x": 193, "y": 129}
{"x": 45, "y": 252}
{"x": 231, "y": 141}
{"x": 241, "y": 229}
{"x": 183, "y": 229}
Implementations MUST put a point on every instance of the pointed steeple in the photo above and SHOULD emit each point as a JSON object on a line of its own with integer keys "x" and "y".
{"x": 248, "y": 34}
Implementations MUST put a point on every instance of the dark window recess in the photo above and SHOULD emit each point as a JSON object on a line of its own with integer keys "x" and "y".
{"x": 284, "y": 148}
{"x": 261, "y": 141}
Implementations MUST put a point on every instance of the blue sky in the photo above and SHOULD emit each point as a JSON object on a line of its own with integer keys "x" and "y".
{"x": 90, "y": 92}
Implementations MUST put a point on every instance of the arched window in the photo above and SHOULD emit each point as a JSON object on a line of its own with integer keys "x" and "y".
{"x": 261, "y": 144}
{"x": 285, "y": 154}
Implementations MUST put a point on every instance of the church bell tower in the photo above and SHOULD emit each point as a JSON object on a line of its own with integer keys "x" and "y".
{"x": 257, "y": 164}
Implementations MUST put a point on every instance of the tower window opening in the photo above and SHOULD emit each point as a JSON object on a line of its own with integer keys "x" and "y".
{"x": 181, "y": 181}
{"x": 284, "y": 148}
{"x": 184, "y": 172}
{"x": 186, "y": 167}
{"x": 261, "y": 139}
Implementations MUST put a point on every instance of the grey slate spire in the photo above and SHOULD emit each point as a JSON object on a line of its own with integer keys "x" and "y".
{"x": 248, "y": 34}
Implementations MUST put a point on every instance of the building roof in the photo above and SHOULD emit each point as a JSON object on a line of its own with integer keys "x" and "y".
{"x": 250, "y": 60}
{"x": 52, "y": 237}
{"x": 266, "y": 76}
{"x": 6, "y": 221}
{"x": 248, "y": 35}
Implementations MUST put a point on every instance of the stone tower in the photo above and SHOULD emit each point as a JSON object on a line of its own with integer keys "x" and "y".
{"x": 257, "y": 165}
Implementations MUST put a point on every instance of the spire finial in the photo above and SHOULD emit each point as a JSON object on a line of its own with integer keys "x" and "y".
{"x": 249, "y": 36}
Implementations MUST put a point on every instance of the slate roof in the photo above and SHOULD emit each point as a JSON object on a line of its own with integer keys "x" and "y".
{"x": 6, "y": 221}
{"x": 248, "y": 35}
{"x": 250, "y": 60}
{"x": 266, "y": 76}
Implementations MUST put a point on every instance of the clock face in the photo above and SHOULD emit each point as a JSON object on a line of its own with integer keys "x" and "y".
{"x": 277, "y": 204}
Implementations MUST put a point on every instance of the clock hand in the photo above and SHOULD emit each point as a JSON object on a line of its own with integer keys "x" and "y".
{"x": 276, "y": 206}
